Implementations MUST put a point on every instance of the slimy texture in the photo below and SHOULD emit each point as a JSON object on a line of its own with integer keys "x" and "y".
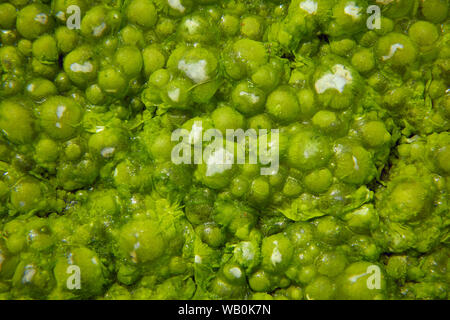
{"x": 88, "y": 183}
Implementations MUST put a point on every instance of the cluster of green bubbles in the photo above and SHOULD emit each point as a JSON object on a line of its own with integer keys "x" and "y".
{"x": 357, "y": 209}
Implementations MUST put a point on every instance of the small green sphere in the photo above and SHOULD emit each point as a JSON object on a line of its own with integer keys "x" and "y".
{"x": 26, "y": 195}
{"x": 34, "y": 20}
{"x": 66, "y": 39}
{"x": 248, "y": 99}
{"x": 142, "y": 13}
{"x": 112, "y": 82}
{"x": 363, "y": 60}
{"x": 423, "y": 33}
{"x": 318, "y": 181}
{"x": 320, "y": 289}
{"x": 141, "y": 241}
{"x": 153, "y": 59}
{"x": 397, "y": 49}
{"x": 227, "y": 118}
{"x": 8, "y": 16}
{"x": 251, "y": 27}
{"x": 94, "y": 24}
{"x": 40, "y": 88}
{"x": 282, "y": 105}
{"x": 129, "y": 59}
{"x": 259, "y": 281}
{"x": 434, "y": 11}
{"x": 16, "y": 121}
{"x": 309, "y": 150}
{"x": 81, "y": 66}
{"x": 60, "y": 117}
{"x": 45, "y": 49}
{"x": 374, "y": 134}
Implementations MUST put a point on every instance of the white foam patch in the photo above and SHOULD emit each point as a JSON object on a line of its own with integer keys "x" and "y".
{"x": 61, "y": 15}
{"x": 355, "y": 163}
{"x": 392, "y": 51}
{"x": 337, "y": 79}
{"x": 247, "y": 252}
{"x": 309, "y": 6}
{"x": 236, "y": 272}
{"x": 85, "y": 67}
{"x": 174, "y": 95}
{"x": 253, "y": 97}
{"x": 191, "y": 25}
{"x": 176, "y": 4}
{"x": 32, "y": 234}
{"x": 197, "y": 259}
{"x": 28, "y": 274}
{"x": 353, "y": 279}
{"x": 276, "y": 256}
{"x": 107, "y": 152}
{"x": 353, "y": 10}
{"x": 60, "y": 111}
{"x": 196, "y": 71}
{"x": 42, "y": 18}
{"x": 30, "y": 87}
{"x": 219, "y": 161}
{"x": 98, "y": 30}
{"x": 195, "y": 135}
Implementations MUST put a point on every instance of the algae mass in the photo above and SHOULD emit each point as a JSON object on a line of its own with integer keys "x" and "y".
{"x": 91, "y": 92}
